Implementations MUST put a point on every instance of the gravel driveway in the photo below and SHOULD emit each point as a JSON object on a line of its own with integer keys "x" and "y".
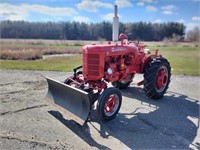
{"x": 27, "y": 122}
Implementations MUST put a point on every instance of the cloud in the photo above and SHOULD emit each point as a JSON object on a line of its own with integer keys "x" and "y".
{"x": 168, "y": 9}
{"x": 140, "y": 4}
{"x": 108, "y": 16}
{"x": 81, "y": 19}
{"x": 181, "y": 21}
{"x": 191, "y": 26}
{"x": 123, "y": 3}
{"x": 167, "y": 12}
{"x": 12, "y": 12}
{"x": 151, "y": 8}
{"x": 21, "y": 12}
{"x": 92, "y": 6}
{"x": 12, "y": 16}
{"x": 195, "y": 18}
{"x": 157, "y": 21}
{"x": 150, "y": 1}
{"x": 52, "y": 11}
{"x": 147, "y": 1}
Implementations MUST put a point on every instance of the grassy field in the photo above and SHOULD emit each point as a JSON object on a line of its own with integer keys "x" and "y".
{"x": 183, "y": 60}
{"x": 52, "y": 64}
{"x": 183, "y": 57}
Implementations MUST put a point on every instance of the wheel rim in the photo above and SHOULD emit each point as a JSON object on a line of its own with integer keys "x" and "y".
{"x": 161, "y": 79}
{"x": 111, "y": 105}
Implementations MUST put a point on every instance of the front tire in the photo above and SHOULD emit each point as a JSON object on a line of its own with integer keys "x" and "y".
{"x": 157, "y": 78}
{"x": 109, "y": 104}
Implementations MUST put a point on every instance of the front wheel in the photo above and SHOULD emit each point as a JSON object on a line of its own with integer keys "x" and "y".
{"x": 156, "y": 78}
{"x": 109, "y": 104}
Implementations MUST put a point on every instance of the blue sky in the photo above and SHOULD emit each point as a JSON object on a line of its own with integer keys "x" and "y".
{"x": 185, "y": 11}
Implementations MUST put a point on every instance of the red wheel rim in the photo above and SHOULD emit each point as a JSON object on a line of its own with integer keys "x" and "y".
{"x": 111, "y": 105}
{"x": 161, "y": 79}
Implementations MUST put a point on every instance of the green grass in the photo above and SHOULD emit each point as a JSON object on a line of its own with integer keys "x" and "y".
{"x": 52, "y": 64}
{"x": 183, "y": 60}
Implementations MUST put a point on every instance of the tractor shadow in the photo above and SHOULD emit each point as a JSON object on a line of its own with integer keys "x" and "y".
{"x": 82, "y": 131}
{"x": 169, "y": 123}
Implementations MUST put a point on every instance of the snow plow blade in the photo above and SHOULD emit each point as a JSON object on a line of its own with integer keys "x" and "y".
{"x": 68, "y": 100}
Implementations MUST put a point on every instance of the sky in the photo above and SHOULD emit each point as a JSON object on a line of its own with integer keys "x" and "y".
{"x": 156, "y": 11}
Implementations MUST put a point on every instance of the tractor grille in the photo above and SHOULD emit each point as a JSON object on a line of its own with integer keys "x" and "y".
{"x": 93, "y": 64}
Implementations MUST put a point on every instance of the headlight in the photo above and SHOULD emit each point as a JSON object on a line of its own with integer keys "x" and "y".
{"x": 109, "y": 71}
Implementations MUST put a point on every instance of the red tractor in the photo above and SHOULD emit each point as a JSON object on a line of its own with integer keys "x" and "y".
{"x": 102, "y": 64}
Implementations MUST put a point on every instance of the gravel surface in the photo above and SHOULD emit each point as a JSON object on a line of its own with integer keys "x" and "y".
{"x": 27, "y": 122}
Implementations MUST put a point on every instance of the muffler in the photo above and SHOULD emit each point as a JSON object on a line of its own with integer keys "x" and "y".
{"x": 70, "y": 101}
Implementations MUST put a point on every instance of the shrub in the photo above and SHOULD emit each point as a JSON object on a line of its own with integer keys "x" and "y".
{"x": 20, "y": 55}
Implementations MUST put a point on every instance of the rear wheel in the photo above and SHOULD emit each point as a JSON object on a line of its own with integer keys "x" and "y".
{"x": 156, "y": 78}
{"x": 109, "y": 104}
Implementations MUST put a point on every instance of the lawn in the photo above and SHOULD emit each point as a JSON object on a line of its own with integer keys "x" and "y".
{"x": 52, "y": 64}
{"x": 183, "y": 60}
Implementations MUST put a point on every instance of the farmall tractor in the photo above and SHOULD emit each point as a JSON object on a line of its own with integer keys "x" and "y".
{"x": 102, "y": 64}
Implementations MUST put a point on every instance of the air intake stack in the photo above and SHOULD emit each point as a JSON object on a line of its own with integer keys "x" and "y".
{"x": 115, "y": 26}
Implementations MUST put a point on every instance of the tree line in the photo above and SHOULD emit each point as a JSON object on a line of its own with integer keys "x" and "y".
{"x": 146, "y": 31}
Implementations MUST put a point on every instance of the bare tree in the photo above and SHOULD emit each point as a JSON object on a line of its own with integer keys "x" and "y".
{"x": 193, "y": 35}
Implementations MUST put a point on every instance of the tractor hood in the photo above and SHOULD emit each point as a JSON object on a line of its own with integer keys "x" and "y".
{"x": 110, "y": 50}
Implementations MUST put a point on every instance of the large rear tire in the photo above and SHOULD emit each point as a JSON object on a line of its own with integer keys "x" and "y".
{"x": 157, "y": 78}
{"x": 109, "y": 104}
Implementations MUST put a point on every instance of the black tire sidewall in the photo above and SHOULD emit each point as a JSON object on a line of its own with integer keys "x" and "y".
{"x": 150, "y": 75}
{"x": 102, "y": 100}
